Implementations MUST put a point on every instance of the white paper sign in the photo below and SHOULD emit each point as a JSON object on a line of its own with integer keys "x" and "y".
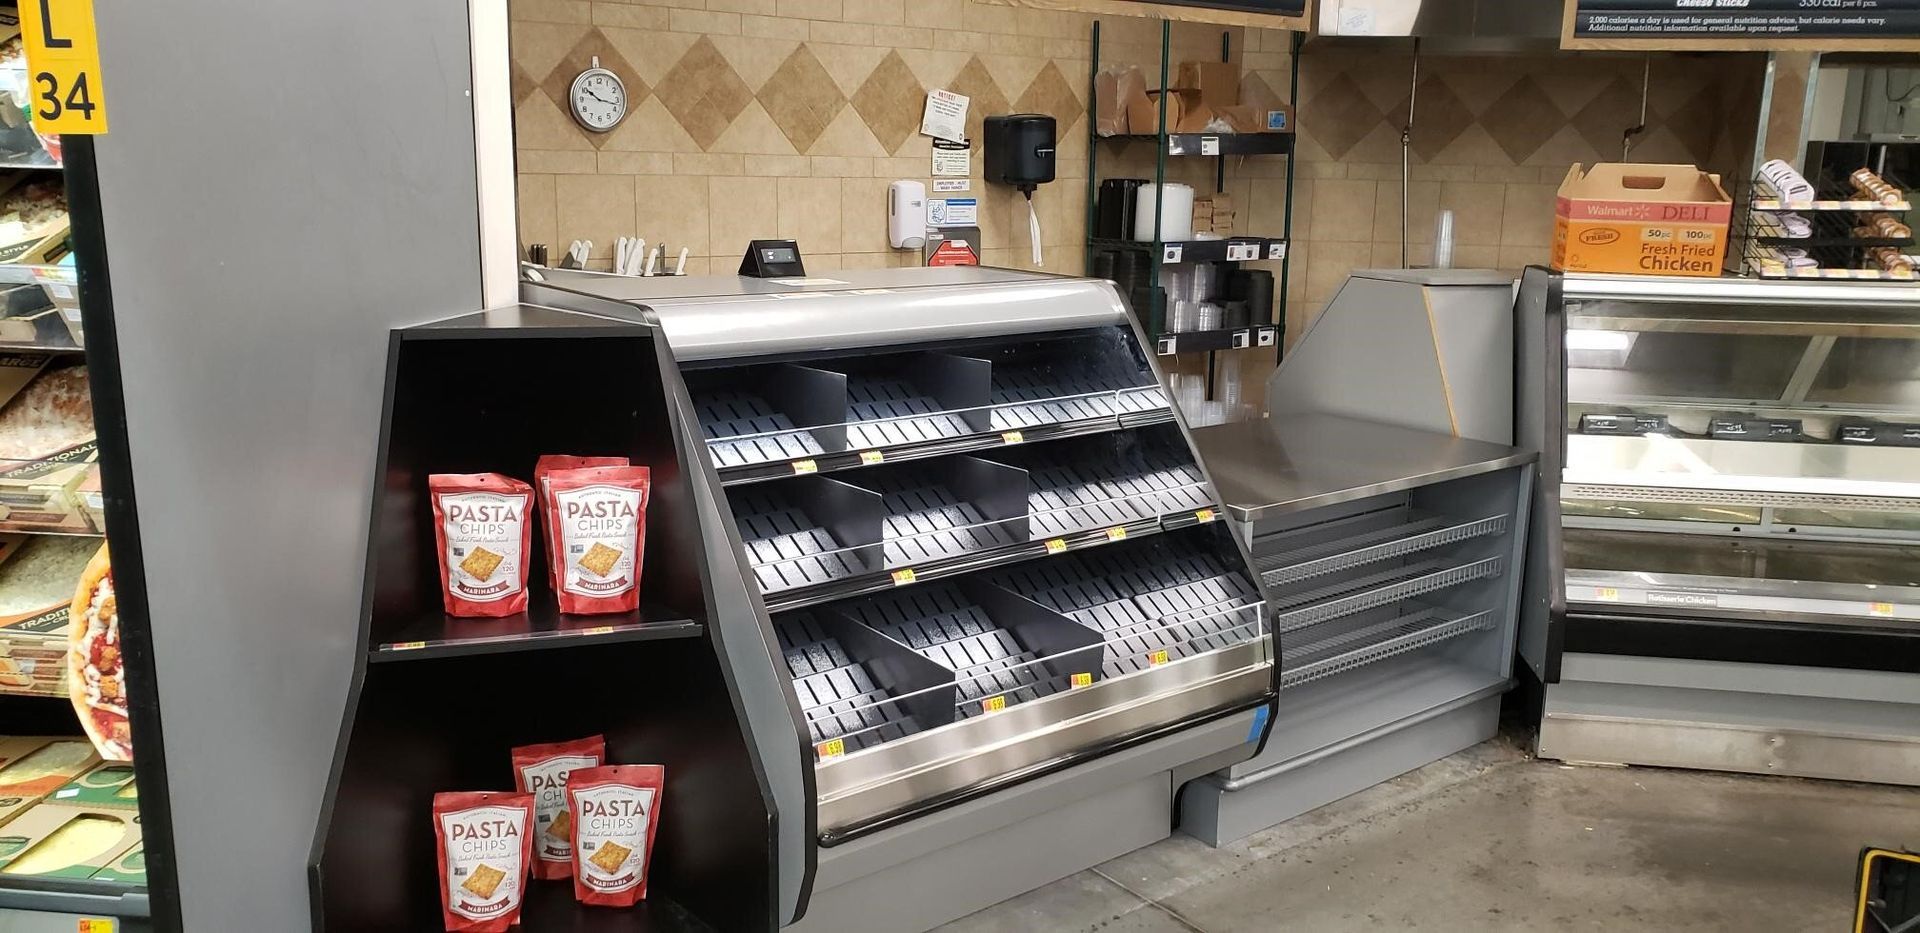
{"x": 945, "y": 116}
{"x": 952, "y": 184}
{"x": 953, "y": 212}
{"x": 953, "y": 163}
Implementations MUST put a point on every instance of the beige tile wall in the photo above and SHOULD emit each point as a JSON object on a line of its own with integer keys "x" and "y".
{"x": 788, "y": 118}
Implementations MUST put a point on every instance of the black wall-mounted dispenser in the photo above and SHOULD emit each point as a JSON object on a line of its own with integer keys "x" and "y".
{"x": 1018, "y": 150}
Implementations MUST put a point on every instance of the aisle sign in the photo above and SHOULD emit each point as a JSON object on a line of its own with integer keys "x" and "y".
{"x": 1749, "y": 24}
{"x": 63, "y": 65}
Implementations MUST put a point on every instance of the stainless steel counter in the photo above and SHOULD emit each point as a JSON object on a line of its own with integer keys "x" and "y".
{"x": 1290, "y": 464}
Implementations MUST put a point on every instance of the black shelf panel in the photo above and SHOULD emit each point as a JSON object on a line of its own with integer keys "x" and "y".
{"x": 542, "y": 626}
{"x": 855, "y": 459}
{"x": 1229, "y": 249}
{"x": 550, "y": 908}
{"x": 1207, "y": 341}
{"x": 71, "y": 896}
{"x": 1223, "y": 144}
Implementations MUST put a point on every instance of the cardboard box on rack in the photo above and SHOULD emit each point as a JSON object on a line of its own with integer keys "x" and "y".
{"x": 1247, "y": 118}
{"x": 109, "y": 786}
{"x": 1185, "y": 112}
{"x": 1641, "y": 220}
{"x": 54, "y": 841}
{"x": 37, "y": 767}
{"x": 1217, "y": 82}
{"x": 129, "y": 868}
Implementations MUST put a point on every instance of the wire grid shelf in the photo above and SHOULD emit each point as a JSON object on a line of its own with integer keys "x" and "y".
{"x": 1033, "y": 396}
{"x": 1347, "y": 597}
{"x": 742, "y": 429}
{"x": 837, "y": 695}
{"x": 1422, "y": 534}
{"x": 1340, "y": 651}
{"x": 881, "y": 412}
{"x": 1073, "y": 494}
{"x": 1840, "y": 240}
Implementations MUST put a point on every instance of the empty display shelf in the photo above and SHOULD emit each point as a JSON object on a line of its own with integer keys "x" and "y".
{"x": 1035, "y": 396}
{"x": 845, "y": 704}
{"x": 941, "y": 510}
{"x": 1303, "y": 607}
{"x": 808, "y": 532}
{"x": 1101, "y": 482}
{"x": 1337, "y": 648}
{"x": 742, "y": 429}
{"x": 1361, "y": 541}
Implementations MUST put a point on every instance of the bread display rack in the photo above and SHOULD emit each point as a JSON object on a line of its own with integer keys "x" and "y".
{"x": 973, "y": 584}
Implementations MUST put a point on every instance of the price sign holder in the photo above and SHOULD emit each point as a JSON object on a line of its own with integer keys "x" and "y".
{"x": 64, "y": 90}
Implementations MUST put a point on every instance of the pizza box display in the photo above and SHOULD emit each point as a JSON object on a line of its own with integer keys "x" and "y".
{"x": 92, "y": 503}
{"x": 46, "y": 765}
{"x": 38, "y": 576}
{"x": 47, "y": 448}
{"x": 33, "y": 221}
{"x": 109, "y": 786}
{"x": 129, "y": 868}
{"x": 55, "y": 841}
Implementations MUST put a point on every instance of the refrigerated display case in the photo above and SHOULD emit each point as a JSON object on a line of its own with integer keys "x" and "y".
{"x": 1723, "y": 574}
{"x": 964, "y": 524}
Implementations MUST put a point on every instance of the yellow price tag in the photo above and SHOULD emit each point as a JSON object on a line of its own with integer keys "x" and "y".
{"x": 803, "y": 467}
{"x": 1081, "y": 680}
{"x": 1116, "y": 534}
{"x": 597, "y": 630}
{"x": 95, "y": 925}
{"x": 903, "y": 576}
{"x": 1608, "y": 593}
{"x": 1880, "y": 609}
{"x": 832, "y": 748}
{"x": 1013, "y": 437}
{"x": 1203, "y": 516}
{"x": 1056, "y": 545}
{"x": 63, "y": 67}
{"x": 871, "y": 457}
{"x": 1158, "y": 658}
{"x": 406, "y": 645}
{"x": 993, "y": 704}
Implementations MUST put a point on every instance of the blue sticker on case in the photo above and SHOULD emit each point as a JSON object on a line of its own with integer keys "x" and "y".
{"x": 1259, "y": 722}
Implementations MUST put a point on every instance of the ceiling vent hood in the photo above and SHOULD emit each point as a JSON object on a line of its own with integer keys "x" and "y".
{"x": 1467, "y": 23}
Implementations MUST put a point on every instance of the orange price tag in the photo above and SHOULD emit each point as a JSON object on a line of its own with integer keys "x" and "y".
{"x": 1158, "y": 658}
{"x": 831, "y": 748}
{"x": 993, "y": 704}
{"x": 1056, "y": 545}
{"x": 1880, "y": 609}
{"x": 1013, "y": 437}
{"x": 803, "y": 467}
{"x": 95, "y": 925}
{"x": 1081, "y": 680}
{"x": 903, "y": 576}
{"x": 1116, "y": 534}
{"x": 871, "y": 457}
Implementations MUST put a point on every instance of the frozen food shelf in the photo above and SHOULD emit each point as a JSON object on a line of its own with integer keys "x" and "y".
{"x": 1343, "y": 649}
{"x": 437, "y": 635}
{"x": 553, "y": 907}
{"x": 1422, "y": 534}
{"x": 40, "y": 900}
{"x": 1073, "y": 494}
{"x": 837, "y": 694}
{"x": 1302, "y": 608}
{"x": 889, "y": 412}
{"x": 926, "y": 522}
{"x": 742, "y": 430}
{"x": 789, "y": 549}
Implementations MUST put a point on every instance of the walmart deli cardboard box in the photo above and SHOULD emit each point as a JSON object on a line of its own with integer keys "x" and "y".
{"x": 1641, "y": 220}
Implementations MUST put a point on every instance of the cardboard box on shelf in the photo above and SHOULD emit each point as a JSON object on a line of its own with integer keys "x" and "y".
{"x": 129, "y": 868}
{"x": 1641, "y": 219}
{"x": 109, "y": 786}
{"x": 1217, "y": 82}
{"x": 1133, "y": 109}
{"x": 54, "y": 841}
{"x": 37, "y": 767}
{"x": 1185, "y": 112}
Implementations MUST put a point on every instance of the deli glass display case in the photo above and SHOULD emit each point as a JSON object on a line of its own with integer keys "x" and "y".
{"x": 982, "y": 577}
{"x": 1736, "y": 523}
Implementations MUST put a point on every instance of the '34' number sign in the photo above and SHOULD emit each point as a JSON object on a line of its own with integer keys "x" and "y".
{"x": 63, "y": 55}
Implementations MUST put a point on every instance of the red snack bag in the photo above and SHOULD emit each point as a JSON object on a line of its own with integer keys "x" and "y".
{"x": 615, "y": 810}
{"x": 485, "y": 846}
{"x": 541, "y": 770}
{"x": 482, "y": 523}
{"x": 600, "y": 530}
{"x": 548, "y": 528}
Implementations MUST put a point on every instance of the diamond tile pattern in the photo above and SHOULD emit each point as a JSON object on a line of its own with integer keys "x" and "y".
{"x": 890, "y": 101}
{"x": 1522, "y": 119}
{"x": 1442, "y": 117}
{"x": 704, "y": 93}
{"x": 1351, "y": 116}
{"x": 592, "y": 45}
{"x": 801, "y": 98}
{"x": 1604, "y": 121}
{"x": 1052, "y": 95}
{"x": 985, "y": 96}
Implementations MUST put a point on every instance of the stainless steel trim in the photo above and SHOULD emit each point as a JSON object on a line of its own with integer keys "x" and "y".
{"x": 1863, "y": 601}
{"x": 1295, "y": 463}
{"x": 1730, "y": 291}
{"x": 1676, "y": 469}
{"x": 898, "y": 774}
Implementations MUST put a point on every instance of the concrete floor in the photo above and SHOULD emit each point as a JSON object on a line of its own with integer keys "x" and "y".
{"x": 1490, "y": 839}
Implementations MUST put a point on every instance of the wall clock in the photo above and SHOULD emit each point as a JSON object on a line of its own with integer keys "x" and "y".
{"x": 598, "y": 98}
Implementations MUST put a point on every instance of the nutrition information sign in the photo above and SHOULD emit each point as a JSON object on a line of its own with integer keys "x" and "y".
{"x": 1744, "y": 25}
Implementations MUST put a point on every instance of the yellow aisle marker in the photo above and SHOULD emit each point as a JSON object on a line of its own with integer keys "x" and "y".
{"x": 63, "y": 64}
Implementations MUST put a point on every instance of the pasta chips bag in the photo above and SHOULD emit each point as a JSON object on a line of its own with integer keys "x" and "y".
{"x": 485, "y": 845}
{"x": 542, "y": 770}
{"x": 549, "y": 527}
{"x": 615, "y": 809}
{"x": 600, "y": 521}
{"x": 482, "y": 524}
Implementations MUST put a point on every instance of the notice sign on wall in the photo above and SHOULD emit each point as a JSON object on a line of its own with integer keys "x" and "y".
{"x": 1754, "y": 24}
